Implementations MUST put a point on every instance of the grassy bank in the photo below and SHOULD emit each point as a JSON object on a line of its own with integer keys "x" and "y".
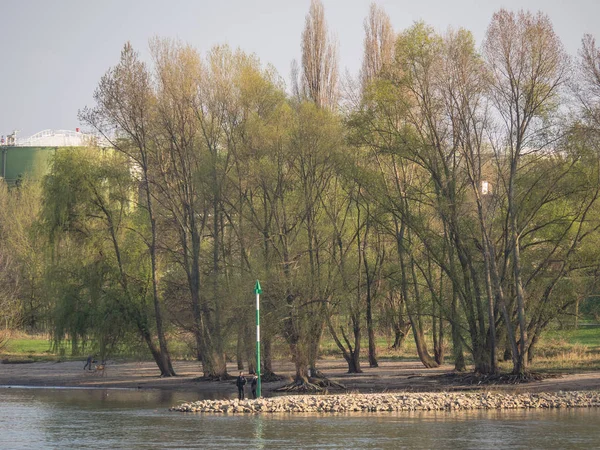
{"x": 565, "y": 350}
{"x": 557, "y": 351}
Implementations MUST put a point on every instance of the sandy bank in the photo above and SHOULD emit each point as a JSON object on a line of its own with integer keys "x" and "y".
{"x": 391, "y": 376}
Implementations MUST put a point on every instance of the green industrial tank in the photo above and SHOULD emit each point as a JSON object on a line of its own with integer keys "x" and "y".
{"x": 31, "y": 157}
{"x": 25, "y": 162}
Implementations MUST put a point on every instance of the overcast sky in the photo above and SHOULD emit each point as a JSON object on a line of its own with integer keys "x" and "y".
{"x": 53, "y": 53}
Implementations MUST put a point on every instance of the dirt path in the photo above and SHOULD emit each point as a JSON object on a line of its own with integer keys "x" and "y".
{"x": 390, "y": 376}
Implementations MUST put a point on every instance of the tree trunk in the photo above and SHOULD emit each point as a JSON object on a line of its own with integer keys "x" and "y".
{"x": 438, "y": 346}
{"x": 300, "y": 363}
{"x": 162, "y": 341}
{"x": 239, "y": 354}
{"x": 350, "y": 354}
{"x": 156, "y": 355}
{"x": 267, "y": 356}
{"x": 314, "y": 344}
{"x": 531, "y": 349}
{"x": 418, "y": 335}
{"x": 487, "y": 255}
{"x": 421, "y": 345}
{"x": 521, "y": 366}
{"x": 74, "y": 344}
{"x": 164, "y": 366}
{"x": 354, "y": 363}
{"x": 457, "y": 349}
{"x": 400, "y": 325}
{"x": 194, "y": 281}
{"x": 369, "y": 285}
{"x": 400, "y": 336}
{"x": 371, "y": 332}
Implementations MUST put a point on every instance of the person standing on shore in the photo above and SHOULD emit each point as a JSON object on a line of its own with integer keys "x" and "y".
{"x": 253, "y": 384}
{"x": 240, "y": 382}
{"x": 88, "y": 363}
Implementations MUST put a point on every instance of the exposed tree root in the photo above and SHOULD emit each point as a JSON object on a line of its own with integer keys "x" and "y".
{"x": 470, "y": 379}
{"x": 225, "y": 377}
{"x": 327, "y": 383}
{"x": 316, "y": 373}
{"x": 300, "y": 387}
{"x": 317, "y": 382}
{"x": 270, "y": 377}
{"x": 265, "y": 378}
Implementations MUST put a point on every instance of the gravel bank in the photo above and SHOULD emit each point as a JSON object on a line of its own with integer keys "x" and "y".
{"x": 445, "y": 401}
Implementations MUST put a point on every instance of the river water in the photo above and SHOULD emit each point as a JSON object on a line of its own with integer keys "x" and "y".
{"x": 114, "y": 418}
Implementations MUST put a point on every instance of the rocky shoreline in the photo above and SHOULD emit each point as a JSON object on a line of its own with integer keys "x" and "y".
{"x": 401, "y": 401}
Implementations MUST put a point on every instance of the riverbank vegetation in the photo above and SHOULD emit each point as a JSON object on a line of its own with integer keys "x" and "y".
{"x": 561, "y": 351}
{"x": 447, "y": 197}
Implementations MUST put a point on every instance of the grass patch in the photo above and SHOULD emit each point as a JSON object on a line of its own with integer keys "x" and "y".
{"x": 22, "y": 347}
{"x": 557, "y": 350}
{"x": 569, "y": 350}
{"x": 589, "y": 336}
{"x": 33, "y": 346}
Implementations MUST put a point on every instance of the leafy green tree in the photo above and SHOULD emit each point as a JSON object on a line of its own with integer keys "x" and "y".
{"x": 527, "y": 67}
{"x": 100, "y": 270}
{"x": 124, "y": 113}
{"x": 22, "y": 299}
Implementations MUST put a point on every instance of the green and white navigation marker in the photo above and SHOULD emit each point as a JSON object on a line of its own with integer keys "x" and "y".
{"x": 257, "y": 291}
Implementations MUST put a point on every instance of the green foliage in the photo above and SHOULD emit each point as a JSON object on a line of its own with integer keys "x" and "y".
{"x": 28, "y": 346}
{"x": 86, "y": 194}
{"x": 218, "y": 177}
{"x": 22, "y": 300}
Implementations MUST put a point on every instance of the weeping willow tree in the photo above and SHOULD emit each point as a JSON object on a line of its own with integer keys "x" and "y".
{"x": 99, "y": 272}
{"x": 22, "y": 304}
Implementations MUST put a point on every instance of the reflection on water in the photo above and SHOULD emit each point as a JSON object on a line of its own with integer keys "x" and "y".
{"x": 110, "y": 418}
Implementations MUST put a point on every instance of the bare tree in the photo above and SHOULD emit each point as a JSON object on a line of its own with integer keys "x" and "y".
{"x": 319, "y": 59}
{"x": 528, "y": 67}
{"x": 378, "y": 44}
{"x": 178, "y": 70}
{"x": 463, "y": 83}
{"x": 589, "y": 94}
{"x": 378, "y": 53}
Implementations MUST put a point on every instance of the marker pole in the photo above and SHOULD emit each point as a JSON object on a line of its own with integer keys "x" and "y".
{"x": 257, "y": 291}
